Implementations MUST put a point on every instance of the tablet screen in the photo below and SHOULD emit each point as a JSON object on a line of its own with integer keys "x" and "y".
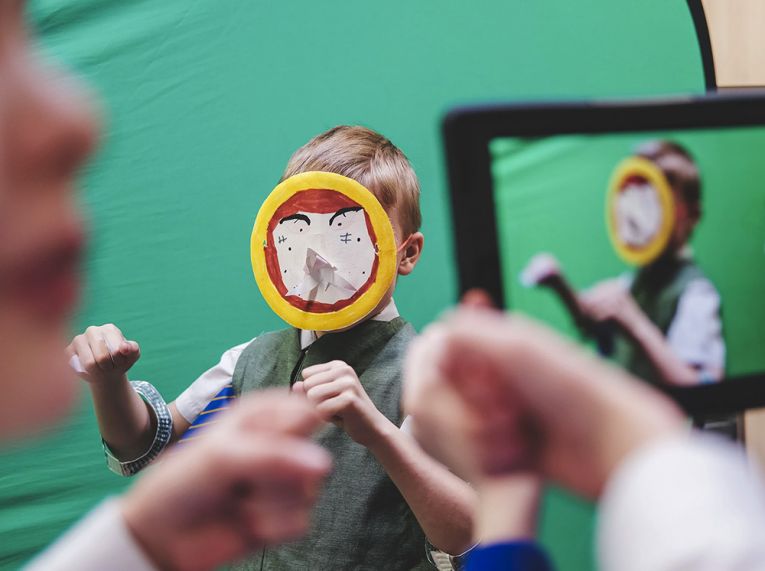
{"x": 604, "y": 211}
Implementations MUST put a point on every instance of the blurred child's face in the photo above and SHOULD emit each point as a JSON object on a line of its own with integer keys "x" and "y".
{"x": 47, "y": 130}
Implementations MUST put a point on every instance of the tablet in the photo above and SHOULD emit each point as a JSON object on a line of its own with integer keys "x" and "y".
{"x": 554, "y": 201}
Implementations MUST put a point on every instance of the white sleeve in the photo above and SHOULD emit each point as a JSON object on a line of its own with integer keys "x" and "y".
{"x": 194, "y": 399}
{"x": 100, "y": 541}
{"x": 695, "y": 333}
{"x": 687, "y": 503}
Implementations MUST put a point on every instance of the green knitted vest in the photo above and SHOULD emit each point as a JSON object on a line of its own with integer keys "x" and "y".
{"x": 657, "y": 290}
{"x": 361, "y": 521}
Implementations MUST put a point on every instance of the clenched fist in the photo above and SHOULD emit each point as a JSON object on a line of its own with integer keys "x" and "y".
{"x": 336, "y": 393}
{"x": 103, "y": 353}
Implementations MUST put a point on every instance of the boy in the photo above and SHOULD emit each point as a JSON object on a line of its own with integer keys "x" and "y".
{"x": 668, "y": 317}
{"x": 382, "y": 494}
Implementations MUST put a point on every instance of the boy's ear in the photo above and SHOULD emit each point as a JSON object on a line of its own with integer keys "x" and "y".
{"x": 411, "y": 254}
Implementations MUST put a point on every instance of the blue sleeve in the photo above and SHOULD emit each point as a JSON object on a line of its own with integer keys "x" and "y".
{"x": 510, "y": 556}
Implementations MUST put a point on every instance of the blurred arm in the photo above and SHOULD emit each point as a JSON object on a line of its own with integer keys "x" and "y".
{"x": 99, "y": 541}
{"x": 683, "y": 503}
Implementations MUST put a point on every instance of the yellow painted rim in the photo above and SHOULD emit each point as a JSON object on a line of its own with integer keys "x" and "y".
{"x": 386, "y": 251}
{"x": 646, "y": 169}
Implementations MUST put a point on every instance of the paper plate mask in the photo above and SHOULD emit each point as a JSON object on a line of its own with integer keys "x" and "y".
{"x": 323, "y": 251}
{"x": 640, "y": 211}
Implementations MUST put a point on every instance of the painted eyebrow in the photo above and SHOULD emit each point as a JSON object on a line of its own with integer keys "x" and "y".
{"x": 302, "y": 217}
{"x": 342, "y": 212}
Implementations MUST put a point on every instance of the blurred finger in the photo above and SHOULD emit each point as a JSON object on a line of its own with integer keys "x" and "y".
{"x": 275, "y": 413}
{"x": 285, "y": 493}
{"x": 422, "y": 373}
{"x": 275, "y": 525}
{"x": 466, "y": 371}
{"x": 477, "y": 298}
{"x": 292, "y": 463}
{"x": 507, "y": 454}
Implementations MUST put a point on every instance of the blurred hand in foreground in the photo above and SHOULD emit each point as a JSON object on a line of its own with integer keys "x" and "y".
{"x": 493, "y": 395}
{"x": 250, "y": 481}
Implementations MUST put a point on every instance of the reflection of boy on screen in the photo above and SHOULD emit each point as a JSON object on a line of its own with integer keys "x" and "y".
{"x": 668, "y": 313}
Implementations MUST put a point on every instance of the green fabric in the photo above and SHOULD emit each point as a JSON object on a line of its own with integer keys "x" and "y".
{"x": 203, "y": 102}
{"x": 657, "y": 290}
{"x": 361, "y": 521}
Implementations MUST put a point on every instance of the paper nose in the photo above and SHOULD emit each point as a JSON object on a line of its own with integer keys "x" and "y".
{"x": 315, "y": 262}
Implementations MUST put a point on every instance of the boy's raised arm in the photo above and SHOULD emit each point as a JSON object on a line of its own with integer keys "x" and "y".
{"x": 126, "y": 422}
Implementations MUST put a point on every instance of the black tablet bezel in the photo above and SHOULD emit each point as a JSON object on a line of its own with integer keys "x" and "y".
{"x": 700, "y": 24}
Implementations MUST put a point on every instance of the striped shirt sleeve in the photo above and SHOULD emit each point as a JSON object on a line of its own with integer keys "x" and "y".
{"x": 212, "y": 388}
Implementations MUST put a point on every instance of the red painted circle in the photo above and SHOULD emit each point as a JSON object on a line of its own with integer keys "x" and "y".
{"x": 318, "y": 201}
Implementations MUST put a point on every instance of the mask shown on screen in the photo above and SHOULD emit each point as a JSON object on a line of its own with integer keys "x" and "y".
{"x": 323, "y": 251}
{"x": 640, "y": 211}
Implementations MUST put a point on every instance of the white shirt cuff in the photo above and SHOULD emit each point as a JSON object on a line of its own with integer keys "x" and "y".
{"x": 100, "y": 541}
{"x": 198, "y": 395}
{"x": 687, "y": 502}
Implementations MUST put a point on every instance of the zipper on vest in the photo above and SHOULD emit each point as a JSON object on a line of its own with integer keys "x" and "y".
{"x": 298, "y": 367}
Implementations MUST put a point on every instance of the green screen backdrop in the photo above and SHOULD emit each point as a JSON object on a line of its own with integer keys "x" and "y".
{"x": 204, "y": 101}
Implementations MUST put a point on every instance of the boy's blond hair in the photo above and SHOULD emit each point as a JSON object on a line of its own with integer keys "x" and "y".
{"x": 369, "y": 158}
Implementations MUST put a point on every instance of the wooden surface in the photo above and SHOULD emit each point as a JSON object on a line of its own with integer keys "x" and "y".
{"x": 754, "y": 435}
{"x": 737, "y": 34}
